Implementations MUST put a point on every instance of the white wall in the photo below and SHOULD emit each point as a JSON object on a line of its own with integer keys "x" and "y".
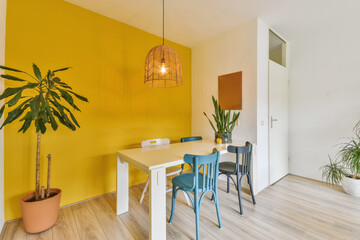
{"x": 2, "y": 62}
{"x": 232, "y": 51}
{"x": 324, "y": 95}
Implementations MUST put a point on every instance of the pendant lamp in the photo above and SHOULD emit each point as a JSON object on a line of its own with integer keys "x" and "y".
{"x": 163, "y": 65}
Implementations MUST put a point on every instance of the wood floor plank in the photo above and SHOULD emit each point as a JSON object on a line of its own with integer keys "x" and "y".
{"x": 14, "y": 230}
{"x": 65, "y": 227}
{"x": 87, "y": 224}
{"x": 113, "y": 227}
{"x": 137, "y": 226}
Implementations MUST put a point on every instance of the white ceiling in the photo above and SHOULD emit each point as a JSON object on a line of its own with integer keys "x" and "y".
{"x": 190, "y": 22}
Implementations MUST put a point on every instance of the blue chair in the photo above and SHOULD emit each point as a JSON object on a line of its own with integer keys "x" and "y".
{"x": 190, "y": 139}
{"x": 203, "y": 179}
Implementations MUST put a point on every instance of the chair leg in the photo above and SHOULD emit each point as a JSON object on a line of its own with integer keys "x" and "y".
{"x": 228, "y": 184}
{"x": 237, "y": 181}
{"x": 239, "y": 195}
{"x": 144, "y": 191}
{"x": 187, "y": 199}
{"x": 217, "y": 209}
{"x": 172, "y": 205}
{"x": 251, "y": 188}
{"x": 197, "y": 213}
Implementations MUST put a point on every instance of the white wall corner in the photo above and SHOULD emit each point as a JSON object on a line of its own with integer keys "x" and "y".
{"x": 262, "y": 105}
{"x": 2, "y": 62}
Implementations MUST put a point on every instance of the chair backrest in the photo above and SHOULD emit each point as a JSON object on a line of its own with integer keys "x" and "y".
{"x": 208, "y": 165}
{"x": 190, "y": 139}
{"x": 245, "y": 151}
{"x": 155, "y": 142}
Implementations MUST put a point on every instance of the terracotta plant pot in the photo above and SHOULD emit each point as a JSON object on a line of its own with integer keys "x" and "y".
{"x": 41, "y": 215}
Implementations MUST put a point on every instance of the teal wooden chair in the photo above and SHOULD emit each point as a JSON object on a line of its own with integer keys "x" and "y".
{"x": 203, "y": 179}
{"x": 188, "y": 139}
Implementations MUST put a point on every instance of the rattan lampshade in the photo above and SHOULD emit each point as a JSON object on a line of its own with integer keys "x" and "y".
{"x": 163, "y": 68}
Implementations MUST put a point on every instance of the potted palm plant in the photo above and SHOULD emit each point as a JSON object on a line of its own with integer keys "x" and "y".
{"x": 39, "y": 100}
{"x": 345, "y": 169}
{"x": 225, "y": 124}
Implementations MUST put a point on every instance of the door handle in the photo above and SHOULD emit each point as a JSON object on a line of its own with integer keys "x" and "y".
{"x": 272, "y": 120}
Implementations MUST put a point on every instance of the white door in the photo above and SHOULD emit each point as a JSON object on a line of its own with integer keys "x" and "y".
{"x": 278, "y": 121}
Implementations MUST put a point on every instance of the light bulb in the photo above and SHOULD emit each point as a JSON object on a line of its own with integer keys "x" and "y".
{"x": 163, "y": 69}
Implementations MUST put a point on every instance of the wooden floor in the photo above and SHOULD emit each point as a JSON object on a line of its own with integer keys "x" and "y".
{"x": 293, "y": 208}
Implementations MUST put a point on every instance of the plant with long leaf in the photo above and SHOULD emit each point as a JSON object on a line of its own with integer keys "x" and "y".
{"x": 39, "y": 99}
{"x": 224, "y": 122}
{"x": 347, "y": 160}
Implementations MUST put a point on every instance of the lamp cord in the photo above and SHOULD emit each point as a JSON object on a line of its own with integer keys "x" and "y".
{"x": 163, "y": 21}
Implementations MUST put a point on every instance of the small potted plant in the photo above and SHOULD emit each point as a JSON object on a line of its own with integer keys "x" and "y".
{"x": 40, "y": 100}
{"x": 345, "y": 169}
{"x": 225, "y": 124}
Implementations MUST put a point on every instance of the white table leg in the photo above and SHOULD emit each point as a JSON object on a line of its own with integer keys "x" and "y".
{"x": 157, "y": 204}
{"x": 122, "y": 187}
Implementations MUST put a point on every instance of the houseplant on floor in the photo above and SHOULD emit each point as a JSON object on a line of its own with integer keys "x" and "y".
{"x": 39, "y": 99}
{"x": 345, "y": 169}
{"x": 225, "y": 124}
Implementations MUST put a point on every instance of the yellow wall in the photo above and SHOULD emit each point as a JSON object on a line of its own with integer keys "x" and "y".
{"x": 107, "y": 59}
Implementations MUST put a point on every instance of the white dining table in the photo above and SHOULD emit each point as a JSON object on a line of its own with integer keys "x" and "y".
{"x": 153, "y": 161}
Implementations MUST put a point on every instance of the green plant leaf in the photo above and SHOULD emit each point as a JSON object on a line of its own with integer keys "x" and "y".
{"x": 216, "y": 107}
{"x": 40, "y": 125}
{"x": 216, "y": 121}
{"x": 10, "y": 69}
{"x": 73, "y": 118}
{"x": 9, "y": 92}
{"x": 59, "y": 117}
{"x": 64, "y": 85}
{"x": 79, "y": 97}
{"x": 2, "y": 110}
{"x": 57, "y": 105}
{"x": 35, "y": 107}
{"x": 56, "y": 79}
{"x": 222, "y": 117}
{"x": 67, "y": 120}
{"x": 9, "y": 77}
{"x": 63, "y": 118}
{"x": 14, "y": 114}
{"x": 227, "y": 119}
{"x": 15, "y": 99}
{"x": 68, "y": 98}
{"x": 37, "y": 72}
{"x": 61, "y": 69}
{"x": 27, "y": 122}
{"x": 54, "y": 124}
{"x": 212, "y": 125}
{"x": 333, "y": 172}
{"x": 54, "y": 94}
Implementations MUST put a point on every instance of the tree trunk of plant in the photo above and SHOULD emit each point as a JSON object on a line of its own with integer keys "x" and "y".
{"x": 37, "y": 189}
{"x": 42, "y": 193}
{"x": 48, "y": 176}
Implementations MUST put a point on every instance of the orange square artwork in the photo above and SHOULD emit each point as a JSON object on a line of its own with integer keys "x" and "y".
{"x": 230, "y": 91}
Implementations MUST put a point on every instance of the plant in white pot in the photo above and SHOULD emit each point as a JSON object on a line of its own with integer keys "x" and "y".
{"x": 39, "y": 99}
{"x": 345, "y": 169}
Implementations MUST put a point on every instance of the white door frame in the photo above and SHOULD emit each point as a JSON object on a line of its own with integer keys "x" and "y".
{"x": 287, "y": 60}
